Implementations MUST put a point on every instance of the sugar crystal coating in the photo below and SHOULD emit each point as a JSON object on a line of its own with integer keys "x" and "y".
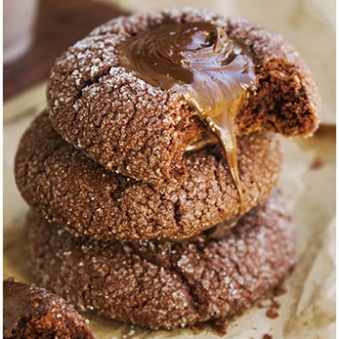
{"x": 166, "y": 285}
{"x": 70, "y": 189}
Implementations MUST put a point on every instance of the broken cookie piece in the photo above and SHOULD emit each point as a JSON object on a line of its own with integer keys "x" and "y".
{"x": 33, "y": 312}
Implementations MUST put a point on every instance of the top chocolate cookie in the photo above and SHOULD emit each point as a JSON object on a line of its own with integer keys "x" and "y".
{"x": 103, "y": 104}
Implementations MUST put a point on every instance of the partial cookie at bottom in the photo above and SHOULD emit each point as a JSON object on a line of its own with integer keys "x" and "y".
{"x": 168, "y": 285}
{"x": 33, "y": 312}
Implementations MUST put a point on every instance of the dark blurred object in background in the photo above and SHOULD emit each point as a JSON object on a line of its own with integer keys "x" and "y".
{"x": 58, "y": 25}
{"x": 19, "y": 18}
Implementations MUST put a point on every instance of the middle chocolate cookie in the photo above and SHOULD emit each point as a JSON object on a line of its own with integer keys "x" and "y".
{"x": 70, "y": 189}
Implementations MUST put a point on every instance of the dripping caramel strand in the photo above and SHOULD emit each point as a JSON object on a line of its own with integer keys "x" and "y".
{"x": 223, "y": 127}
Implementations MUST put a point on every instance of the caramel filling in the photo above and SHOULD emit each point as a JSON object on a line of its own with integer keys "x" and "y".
{"x": 199, "y": 61}
{"x": 217, "y": 232}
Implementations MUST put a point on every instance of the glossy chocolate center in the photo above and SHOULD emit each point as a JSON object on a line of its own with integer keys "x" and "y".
{"x": 199, "y": 61}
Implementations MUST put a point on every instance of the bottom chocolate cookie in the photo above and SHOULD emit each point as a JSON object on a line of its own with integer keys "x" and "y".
{"x": 33, "y": 312}
{"x": 167, "y": 285}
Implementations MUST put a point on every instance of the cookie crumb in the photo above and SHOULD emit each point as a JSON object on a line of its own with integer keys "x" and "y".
{"x": 221, "y": 326}
{"x": 272, "y": 312}
{"x": 317, "y": 163}
{"x": 267, "y": 336}
{"x": 279, "y": 290}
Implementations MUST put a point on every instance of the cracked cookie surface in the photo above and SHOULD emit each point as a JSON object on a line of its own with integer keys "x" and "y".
{"x": 68, "y": 188}
{"x": 128, "y": 125}
{"x": 33, "y": 312}
{"x": 162, "y": 284}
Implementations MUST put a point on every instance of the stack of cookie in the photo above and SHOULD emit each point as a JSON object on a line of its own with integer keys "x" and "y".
{"x": 143, "y": 212}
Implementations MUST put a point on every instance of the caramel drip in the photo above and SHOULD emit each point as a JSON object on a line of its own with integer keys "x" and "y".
{"x": 199, "y": 61}
{"x": 217, "y": 232}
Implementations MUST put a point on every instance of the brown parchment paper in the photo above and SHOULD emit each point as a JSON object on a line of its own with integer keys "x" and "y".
{"x": 307, "y": 309}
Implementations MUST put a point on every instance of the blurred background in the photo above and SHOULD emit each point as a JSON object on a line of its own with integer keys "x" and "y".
{"x": 36, "y": 32}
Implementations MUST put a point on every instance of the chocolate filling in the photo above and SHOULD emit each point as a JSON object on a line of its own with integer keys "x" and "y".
{"x": 198, "y": 60}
